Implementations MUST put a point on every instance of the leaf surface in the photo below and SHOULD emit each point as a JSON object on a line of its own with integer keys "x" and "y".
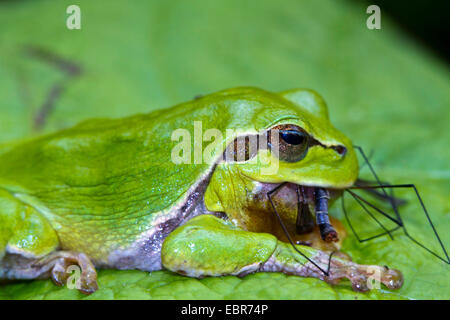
{"x": 383, "y": 90}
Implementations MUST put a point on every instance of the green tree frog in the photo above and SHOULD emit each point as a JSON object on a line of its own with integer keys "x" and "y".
{"x": 139, "y": 193}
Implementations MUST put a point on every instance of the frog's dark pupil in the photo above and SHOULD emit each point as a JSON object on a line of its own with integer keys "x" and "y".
{"x": 294, "y": 138}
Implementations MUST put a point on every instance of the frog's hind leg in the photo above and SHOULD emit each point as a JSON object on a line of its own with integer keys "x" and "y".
{"x": 29, "y": 247}
{"x": 23, "y": 230}
{"x": 55, "y": 265}
{"x": 60, "y": 261}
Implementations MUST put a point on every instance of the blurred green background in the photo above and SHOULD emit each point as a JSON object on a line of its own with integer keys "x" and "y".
{"x": 383, "y": 89}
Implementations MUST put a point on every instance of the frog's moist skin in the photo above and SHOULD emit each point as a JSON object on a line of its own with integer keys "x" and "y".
{"x": 107, "y": 193}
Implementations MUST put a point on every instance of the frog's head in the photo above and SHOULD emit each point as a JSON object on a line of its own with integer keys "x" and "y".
{"x": 308, "y": 151}
{"x": 303, "y": 149}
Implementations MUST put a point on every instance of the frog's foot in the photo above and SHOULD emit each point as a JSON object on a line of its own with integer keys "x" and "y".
{"x": 362, "y": 277}
{"x": 60, "y": 262}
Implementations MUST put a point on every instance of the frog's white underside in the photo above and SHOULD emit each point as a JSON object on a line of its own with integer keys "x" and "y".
{"x": 145, "y": 253}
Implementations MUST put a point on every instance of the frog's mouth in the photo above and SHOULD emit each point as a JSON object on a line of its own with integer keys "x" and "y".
{"x": 308, "y": 199}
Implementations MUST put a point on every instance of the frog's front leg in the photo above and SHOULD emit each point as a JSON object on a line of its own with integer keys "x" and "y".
{"x": 286, "y": 260}
{"x": 209, "y": 246}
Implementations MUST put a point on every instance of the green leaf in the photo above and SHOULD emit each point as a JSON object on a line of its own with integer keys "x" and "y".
{"x": 384, "y": 91}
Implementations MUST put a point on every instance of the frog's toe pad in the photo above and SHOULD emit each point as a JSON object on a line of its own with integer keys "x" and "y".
{"x": 364, "y": 278}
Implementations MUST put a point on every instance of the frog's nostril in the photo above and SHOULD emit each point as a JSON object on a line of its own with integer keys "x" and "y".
{"x": 340, "y": 149}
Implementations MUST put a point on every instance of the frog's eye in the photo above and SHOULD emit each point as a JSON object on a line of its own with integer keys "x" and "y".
{"x": 289, "y": 142}
{"x": 293, "y": 137}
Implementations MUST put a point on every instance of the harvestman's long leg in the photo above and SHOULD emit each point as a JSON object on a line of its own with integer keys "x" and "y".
{"x": 394, "y": 202}
{"x": 372, "y": 152}
{"x": 391, "y": 201}
{"x": 386, "y": 231}
{"x": 286, "y": 232}
{"x": 378, "y": 194}
{"x": 400, "y": 222}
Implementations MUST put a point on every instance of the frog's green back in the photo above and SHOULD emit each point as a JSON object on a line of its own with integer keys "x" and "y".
{"x": 117, "y": 174}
